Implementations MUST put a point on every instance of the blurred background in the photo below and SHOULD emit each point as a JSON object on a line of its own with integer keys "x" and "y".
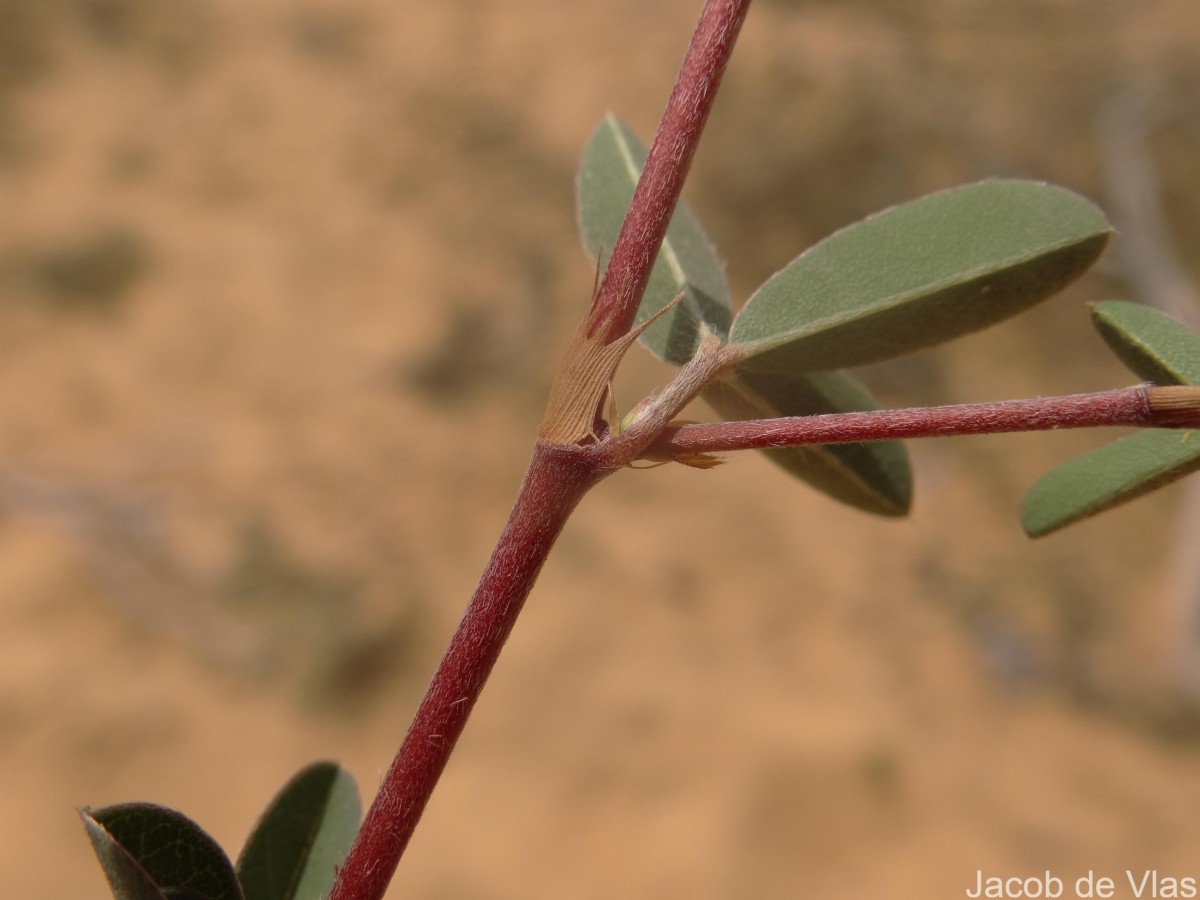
{"x": 281, "y": 287}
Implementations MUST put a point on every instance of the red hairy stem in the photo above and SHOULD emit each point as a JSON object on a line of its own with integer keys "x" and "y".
{"x": 557, "y": 479}
{"x": 559, "y": 475}
{"x": 667, "y": 165}
{"x": 1153, "y": 407}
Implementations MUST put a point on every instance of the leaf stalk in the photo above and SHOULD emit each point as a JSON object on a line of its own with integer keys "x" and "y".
{"x": 1142, "y": 406}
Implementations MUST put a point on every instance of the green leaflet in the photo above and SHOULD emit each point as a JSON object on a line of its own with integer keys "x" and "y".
{"x": 1152, "y": 344}
{"x": 1156, "y": 348}
{"x": 874, "y": 477}
{"x": 126, "y": 878}
{"x": 608, "y": 174}
{"x": 150, "y": 852}
{"x": 921, "y": 273}
{"x": 304, "y": 835}
{"x": 1114, "y": 474}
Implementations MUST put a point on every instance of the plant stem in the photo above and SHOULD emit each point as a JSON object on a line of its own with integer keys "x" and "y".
{"x": 1148, "y": 407}
{"x": 667, "y": 164}
{"x": 557, "y": 479}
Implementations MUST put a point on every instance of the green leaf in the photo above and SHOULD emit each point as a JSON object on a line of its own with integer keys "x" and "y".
{"x": 914, "y": 275}
{"x": 1153, "y": 345}
{"x": 874, "y": 476}
{"x": 126, "y": 878}
{"x": 177, "y": 858}
{"x": 686, "y": 263}
{"x": 304, "y": 835}
{"x": 1114, "y": 474}
{"x": 1156, "y": 348}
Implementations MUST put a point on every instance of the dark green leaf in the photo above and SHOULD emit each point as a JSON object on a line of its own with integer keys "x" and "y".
{"x": 302, "y": 838}
{"x": 918, "y": 274}
{"x": 1114, "y": 474}
{"x": 871, "y": 476}
{"x": 1150, "y": 343}
{"x": 126, "y": 879}
{"x": 173, "y": 852}
{"x": 608, "y": 174}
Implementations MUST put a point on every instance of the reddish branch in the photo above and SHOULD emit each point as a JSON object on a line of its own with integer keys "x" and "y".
{"x": 555, "y": 482}
{"x": 562, "y": 471}
{"x": 1147, "y": 407}
{"x": 667, "y": 164}
{"x": 557, "y": 479}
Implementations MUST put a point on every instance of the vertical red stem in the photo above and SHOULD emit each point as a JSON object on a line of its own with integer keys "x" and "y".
{"x": 557, "y": 479}
{"x": 668, "y": 163}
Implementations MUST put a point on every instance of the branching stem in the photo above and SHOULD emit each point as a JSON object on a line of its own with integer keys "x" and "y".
{"x": 569, "y": 460}
{"x": 558, "y": 477}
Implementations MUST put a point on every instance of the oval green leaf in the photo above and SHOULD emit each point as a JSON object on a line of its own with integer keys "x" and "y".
{"x": 874, "y": 477}
{"x": 175, "y": 854}
{"x": 1152, "y": 344}
{"x": 921, "y": 273}
{"x": 304, "y": 835}
{"x": 1114, "y": 474}
{"x": 686, "y": 263}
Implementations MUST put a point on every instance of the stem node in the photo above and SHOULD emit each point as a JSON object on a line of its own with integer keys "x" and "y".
{"x": 1176, "y": 406}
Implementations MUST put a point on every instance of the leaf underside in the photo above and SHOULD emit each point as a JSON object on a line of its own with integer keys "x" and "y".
{"x": 686, "y": 262}
{"x": 1150, "y": 343}
{"x": 874, "y": 477}
{"x": 304, "y": 835}
{"x": 921, "y": 273}
{"x": 1110, "y": 476}
{"x": 150, "y": 852}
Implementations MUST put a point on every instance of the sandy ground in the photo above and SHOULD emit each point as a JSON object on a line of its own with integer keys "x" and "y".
{"x": 281, "y": 285}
